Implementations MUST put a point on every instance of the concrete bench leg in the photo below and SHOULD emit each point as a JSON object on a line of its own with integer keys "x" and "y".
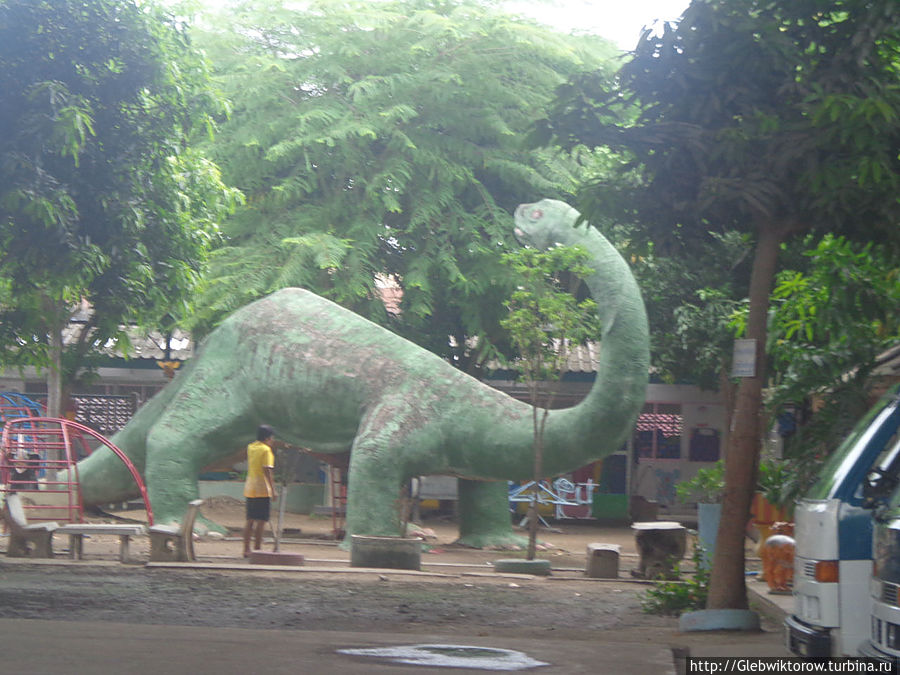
{"x": 164, "y": 547}
{"x": 170, "y": 544}
{"x": 124, "y": 541}
{"x": 76, "y": 546}
{"x": 31, "y": 545}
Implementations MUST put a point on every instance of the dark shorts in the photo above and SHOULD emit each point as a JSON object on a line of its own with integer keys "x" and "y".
{"x": 258, "y": 508}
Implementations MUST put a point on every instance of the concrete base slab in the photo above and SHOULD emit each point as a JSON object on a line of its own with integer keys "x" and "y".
{"x": 276, "y": 558}
{"x": 719, "y": 619}
{"x": 388, "y": 552}
{"x": 520, "y": 566}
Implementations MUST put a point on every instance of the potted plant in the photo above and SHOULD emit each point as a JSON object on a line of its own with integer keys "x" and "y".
{"x": 776, "y": 491}
{"x": 706, "y": 489}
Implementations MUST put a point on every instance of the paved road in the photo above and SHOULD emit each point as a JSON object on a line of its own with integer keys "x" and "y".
{"x": 84, "y": 648}
{"x": 102, "y": 641}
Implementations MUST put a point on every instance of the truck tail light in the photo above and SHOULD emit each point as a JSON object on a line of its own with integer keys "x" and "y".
{"x": 827, "y": 571}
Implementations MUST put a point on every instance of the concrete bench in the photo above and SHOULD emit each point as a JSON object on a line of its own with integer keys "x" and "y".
{"x": 26, "y": 540}
{"x": 175, "y": 543}
{"x": 76, "y": 532}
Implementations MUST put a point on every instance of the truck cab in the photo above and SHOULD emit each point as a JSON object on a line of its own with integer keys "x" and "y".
{"x": 833, "y": 534}
{"x": 884, "y": 640}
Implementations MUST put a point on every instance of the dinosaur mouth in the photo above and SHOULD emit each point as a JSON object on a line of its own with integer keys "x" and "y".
{"x": 519, "y": 234}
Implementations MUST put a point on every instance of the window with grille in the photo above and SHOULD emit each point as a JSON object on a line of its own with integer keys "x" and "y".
{"x": 658, "y": 431}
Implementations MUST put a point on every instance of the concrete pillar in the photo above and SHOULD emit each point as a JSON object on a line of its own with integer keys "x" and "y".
{"x": 602, "y": 561}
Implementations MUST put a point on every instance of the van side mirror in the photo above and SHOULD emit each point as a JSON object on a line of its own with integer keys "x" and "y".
{"x": 877, "y": 487}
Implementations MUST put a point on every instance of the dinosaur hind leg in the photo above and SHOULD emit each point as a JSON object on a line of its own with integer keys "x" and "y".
{"x": 484, "y": 517}
{"x": 375, "y": 478}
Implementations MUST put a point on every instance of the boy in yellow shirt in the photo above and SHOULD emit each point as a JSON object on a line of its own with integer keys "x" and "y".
{"x": 259, "y": 488}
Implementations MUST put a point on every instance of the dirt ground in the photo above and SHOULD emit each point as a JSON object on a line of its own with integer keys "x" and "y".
{"x": 457, "y": 590}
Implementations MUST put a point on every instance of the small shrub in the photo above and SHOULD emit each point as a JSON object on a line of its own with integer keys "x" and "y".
{"x": 676, "y": 597}
{"x": 707, "y": 486}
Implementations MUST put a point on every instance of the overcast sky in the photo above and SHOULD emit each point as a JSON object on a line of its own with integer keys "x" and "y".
{"x": 618, "y": 20}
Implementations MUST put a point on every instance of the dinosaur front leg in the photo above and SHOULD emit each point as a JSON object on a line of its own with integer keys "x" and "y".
{"x": 484, "y": 518}
{"x": 170, "y": 486}
{"x": 174, "y": 459}
{"x": 373, "y": 494}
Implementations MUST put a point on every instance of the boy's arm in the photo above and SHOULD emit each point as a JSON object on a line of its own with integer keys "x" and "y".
{"x": 269, "y": 473}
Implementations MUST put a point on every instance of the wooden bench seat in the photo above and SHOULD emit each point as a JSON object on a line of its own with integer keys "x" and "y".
{"x": 76, "y": 532}
{"x": 26, "y": 540}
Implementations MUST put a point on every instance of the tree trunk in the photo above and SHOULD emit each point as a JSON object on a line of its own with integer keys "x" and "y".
{"x": 533, "y": 516}
{"x": 54, "y": 373}
{"x": 727, "y": 589}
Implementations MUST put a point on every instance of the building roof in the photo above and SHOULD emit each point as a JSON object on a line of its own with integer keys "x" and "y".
{"x": 888, "y": 363}
{"x": 144, "y": 344}
{"x": 580, "y": 359}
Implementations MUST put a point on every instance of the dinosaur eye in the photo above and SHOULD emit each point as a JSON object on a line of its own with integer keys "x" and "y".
{"x": 537, "y": 213}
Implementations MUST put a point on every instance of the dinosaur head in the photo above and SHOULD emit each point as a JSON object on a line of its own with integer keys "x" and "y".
{"x": 545, "y": 223}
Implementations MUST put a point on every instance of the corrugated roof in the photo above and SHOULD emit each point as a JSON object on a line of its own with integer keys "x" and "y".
{"x": 581, "y": 359}
{"x": 888, "y": 363}
{"x": 144, "y": 345}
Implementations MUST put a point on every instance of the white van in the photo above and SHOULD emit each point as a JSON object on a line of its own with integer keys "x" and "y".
{"x": 833, "y": 533}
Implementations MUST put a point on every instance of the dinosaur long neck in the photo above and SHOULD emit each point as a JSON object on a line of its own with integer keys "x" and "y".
{"x": 600, "y": 424}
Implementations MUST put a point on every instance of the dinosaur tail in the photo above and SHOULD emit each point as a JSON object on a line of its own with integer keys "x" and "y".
{"x": 103, "y": 476}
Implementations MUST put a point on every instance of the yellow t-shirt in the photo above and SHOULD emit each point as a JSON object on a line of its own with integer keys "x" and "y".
{"x": 259, "y": 456}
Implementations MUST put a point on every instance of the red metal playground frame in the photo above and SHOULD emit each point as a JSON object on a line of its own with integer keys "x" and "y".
{"x": 39, "y": 455}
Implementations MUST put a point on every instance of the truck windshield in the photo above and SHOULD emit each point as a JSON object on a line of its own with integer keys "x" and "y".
{"x": 848, "y": 465}
{"x": 883, "y": 478}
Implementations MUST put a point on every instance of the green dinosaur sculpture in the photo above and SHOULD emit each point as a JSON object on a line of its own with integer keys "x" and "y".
{"x": 331, "y": 381}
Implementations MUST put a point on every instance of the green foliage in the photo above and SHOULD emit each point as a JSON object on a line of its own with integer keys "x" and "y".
{"x": 834, "y": 316}
{"x": 780, "y": 482}
{"x": 383, "y": 141}
{"x": 691, "y": 303}
{"x": 545, "y": 321}
{"x": 706, "y": 487}
{"x": 834, "y": 313}
{"x": 747, "y": 114}
{"x": 752, "y": 112}
{"x": 101, "y": 197}
{"x": 675, "y": 597}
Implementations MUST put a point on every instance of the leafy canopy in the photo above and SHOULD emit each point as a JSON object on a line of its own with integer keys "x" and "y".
{"x": 751, "y": 112}
{"x": 545, "y": 321}
{"x": 101, "y": 196}
{"x": 748, "y": 115}
{"x": 770, "y": 118}
{"x": 833, "y": 316}
{"x": 382, "y": 141}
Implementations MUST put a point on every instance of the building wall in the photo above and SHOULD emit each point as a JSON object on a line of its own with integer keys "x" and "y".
{"x": 700, "y": 443}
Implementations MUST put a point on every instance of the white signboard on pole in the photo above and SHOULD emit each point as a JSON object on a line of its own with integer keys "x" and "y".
{"x": 743, "y": 363}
